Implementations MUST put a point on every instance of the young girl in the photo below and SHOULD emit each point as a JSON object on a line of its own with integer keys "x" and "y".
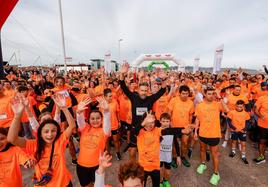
{"x": 92, "y": 141}
{"x": 49, "y": 147}
{"x": 11, "y": 157}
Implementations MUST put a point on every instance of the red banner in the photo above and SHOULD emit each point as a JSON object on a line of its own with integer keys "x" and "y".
{"x": 6, "y": 7}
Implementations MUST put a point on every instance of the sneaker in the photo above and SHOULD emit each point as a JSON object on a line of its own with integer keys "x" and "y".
{"x": 224, "y": 144}
{"x": 185, "y": 162}
{"x": 259, "y": 160}
{"x": 161, "y": 184}
{"x": 215, "y": 179}
{"x": 190, "y": 152}
{"x": 244, "y": 159}
{"x": 207, "y": 156}
{"x": 201, "y": 169}
{"x": 166, "y": 183}
{"x": 232, "y": 154}
{"x": 118, "y": 156}
{"x": 174, "y": 164}
{"x": 74, "y": 162}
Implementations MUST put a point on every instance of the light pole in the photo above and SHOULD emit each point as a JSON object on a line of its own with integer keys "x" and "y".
{"x": 119, "y": 51}
{"x": 62, "y": 37}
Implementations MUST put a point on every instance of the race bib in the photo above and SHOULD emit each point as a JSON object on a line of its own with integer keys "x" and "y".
{"x": 64, "y": 93}
{"x": 140, "y": 111}
{"x": 3, "y": 116}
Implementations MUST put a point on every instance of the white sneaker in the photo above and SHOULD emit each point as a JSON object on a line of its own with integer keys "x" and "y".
{"x": 224, "y": 144}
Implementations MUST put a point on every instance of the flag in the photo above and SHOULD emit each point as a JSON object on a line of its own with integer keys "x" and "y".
{"x": 218, "y": 58}
{"x": 196, "y": 64}
{"x": 6, "y": 7}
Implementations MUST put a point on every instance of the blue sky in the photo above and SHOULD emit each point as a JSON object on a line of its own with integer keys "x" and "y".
{"x": 186, "y": 28}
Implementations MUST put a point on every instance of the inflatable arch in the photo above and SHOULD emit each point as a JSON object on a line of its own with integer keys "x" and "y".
{"x": 159, "y": 57}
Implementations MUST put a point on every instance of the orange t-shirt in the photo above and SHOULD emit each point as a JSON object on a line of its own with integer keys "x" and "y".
{"x": 208, "y": 115}
{"x": 181, "y": 112}
{"x": 6, "y": 113}
{"x": 99, "y": 90}
{"x": 238, "y": 119}
{"x": 92, "y": 143}
{"x": 245, "y": 91}
{"x": 125, "y": 107}
{"x": 60, "y": 174}
{"x": 148, "y": 143}
{"x": 9, "y": 93}
{"x": 160, "y": 106}
{"x": 232, "y": 99}
{"x": 262, "y": 106}
{"x": 10, "y": 161}
{"x": 114, "y": 110}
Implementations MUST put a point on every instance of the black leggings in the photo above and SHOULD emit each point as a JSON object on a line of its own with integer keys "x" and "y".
{"x": 155, "y": 176}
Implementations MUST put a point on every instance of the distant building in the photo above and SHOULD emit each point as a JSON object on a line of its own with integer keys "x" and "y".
{"x": 85, "y": 66}
{"x": 97, "y": 63}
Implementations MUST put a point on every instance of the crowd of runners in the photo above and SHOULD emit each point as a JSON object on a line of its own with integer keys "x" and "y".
{"x": 156, "y": 117}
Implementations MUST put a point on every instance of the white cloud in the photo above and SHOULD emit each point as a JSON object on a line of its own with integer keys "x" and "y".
{"x": 184, "y": 27}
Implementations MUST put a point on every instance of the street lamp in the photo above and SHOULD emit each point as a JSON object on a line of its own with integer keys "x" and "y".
{"x": 62, "y": 37}
{"x": 119, "y": 51}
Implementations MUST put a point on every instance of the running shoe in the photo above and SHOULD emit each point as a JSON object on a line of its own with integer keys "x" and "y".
{"x": 174, "y": 164}
{"x": 232, "y": 154}
{"x": 118, "y": 156}
{"x": 74, "y": 162}
{"x": 201, "y": 168}
{"x": 244, "y": 159}
{"x": 166, "y": 183}
{"x": 185, "y": 162}
{"x": 215, "y": 179}
{"x": 259, "y": 160}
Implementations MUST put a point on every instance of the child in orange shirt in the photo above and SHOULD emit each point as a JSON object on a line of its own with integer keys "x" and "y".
{"x": 49, "y": 147}
{"x": 148, "y": 143}
{"x": 237, "y": 120}
{"x": 11, "y": 157}
{"x": 93, "y": 140}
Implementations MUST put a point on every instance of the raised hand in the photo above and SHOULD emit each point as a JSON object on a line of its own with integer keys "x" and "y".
{"x": 60, "y": 100}
{"x": 25, "y": 101}
{"x": 83, "y": 104}
{"x": 17, "y": 104}
{"x": 103, "y": 103}
{"x": 105, "y": 160}
{"x": 149, "y": 117}
{"x": 124, "y": 68}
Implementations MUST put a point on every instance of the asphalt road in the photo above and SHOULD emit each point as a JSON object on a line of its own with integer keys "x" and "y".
{"x": 233, "y": 172}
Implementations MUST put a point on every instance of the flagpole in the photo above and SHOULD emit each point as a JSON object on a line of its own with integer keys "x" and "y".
{"x": 62, "y": 38}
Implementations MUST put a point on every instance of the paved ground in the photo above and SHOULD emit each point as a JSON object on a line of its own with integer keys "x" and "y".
{"x": 232, "y": 171}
